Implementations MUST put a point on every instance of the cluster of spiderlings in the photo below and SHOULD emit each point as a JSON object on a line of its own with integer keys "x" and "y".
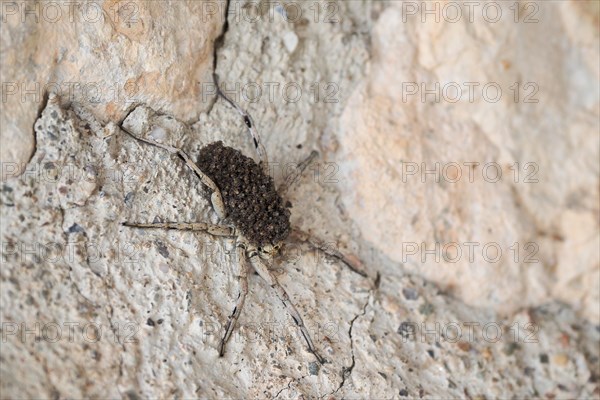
{"x": 251, "y": 200}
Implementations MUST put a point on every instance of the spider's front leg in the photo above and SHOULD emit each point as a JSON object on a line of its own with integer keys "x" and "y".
{"x": 215, "y": 230}
{"x": 271, "y": 280}
{"x": 233, "y": 318}
{"x": 215, "y": 197}
{"x": 258, "y": 146}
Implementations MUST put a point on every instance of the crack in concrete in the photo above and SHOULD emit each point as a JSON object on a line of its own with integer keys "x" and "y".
{"x": 217, "y": 45}
{"x": 220, "y": 40}
{"x": 288, "y": 385}
{"x": 347, "y": 371}
{"x": 284, "y": 388}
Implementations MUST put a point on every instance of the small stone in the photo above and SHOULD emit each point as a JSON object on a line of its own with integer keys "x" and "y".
{"x": 76, "y": 229}
{"x": 150, "y": 322}
{"x": 464, "y": 346}
{"x": 510, "y": 348}
{"x": 486, "y": 353}
{"x": 290, "y": 40}
{"x": 410, "y": 293}
{"x": 131, "y": 395}
{"x": 158, "y": 134}
{"x": 560, "y": 359}
{"x": 426, "y": 309}
{"x": 407, "y": 329}
{"x": 162, "y": 249}
{"x": 313, "y": 368}
{"x": 562, "y": 388}
{"x": 128, "y": 198}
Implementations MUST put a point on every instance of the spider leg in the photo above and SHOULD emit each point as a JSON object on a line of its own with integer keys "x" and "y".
{"x": 293, "y": 177}
{"x": 215, "y": 230}
{"x": 216, "y": 198}
{"x": 243, "y": 278}
{"x": 271, "y": 280}
{"x": 327, "y": 249}
{"x": 258, "y": 146}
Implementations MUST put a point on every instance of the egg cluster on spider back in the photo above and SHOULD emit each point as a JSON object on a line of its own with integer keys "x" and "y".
{"x": 251, "y": 200}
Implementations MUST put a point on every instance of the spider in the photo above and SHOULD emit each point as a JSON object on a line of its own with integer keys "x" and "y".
{"x": 243, "y": 194}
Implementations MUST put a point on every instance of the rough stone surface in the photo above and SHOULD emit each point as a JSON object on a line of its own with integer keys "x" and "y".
{"x": 150, "y": 305}
{"x": 518, "y": 176}
{"x": 107, "y": 55}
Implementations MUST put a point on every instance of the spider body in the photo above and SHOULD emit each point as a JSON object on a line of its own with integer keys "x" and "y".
{"x": 251, "y": 200}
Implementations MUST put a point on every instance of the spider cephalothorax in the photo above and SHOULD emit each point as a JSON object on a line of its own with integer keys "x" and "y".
{"x": 250, "y": 197}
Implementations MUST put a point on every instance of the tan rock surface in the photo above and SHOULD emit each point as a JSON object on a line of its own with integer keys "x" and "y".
{"x": 107, "y": 55}
{"x": 519, "y": 175}
{"x": 90, "y": 308}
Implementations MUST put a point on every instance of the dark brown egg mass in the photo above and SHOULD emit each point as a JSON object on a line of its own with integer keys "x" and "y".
{"x": 251, "y": 200}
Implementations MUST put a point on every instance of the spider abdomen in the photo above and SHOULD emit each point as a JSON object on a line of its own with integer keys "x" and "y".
{"x": 251, "y": 199}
